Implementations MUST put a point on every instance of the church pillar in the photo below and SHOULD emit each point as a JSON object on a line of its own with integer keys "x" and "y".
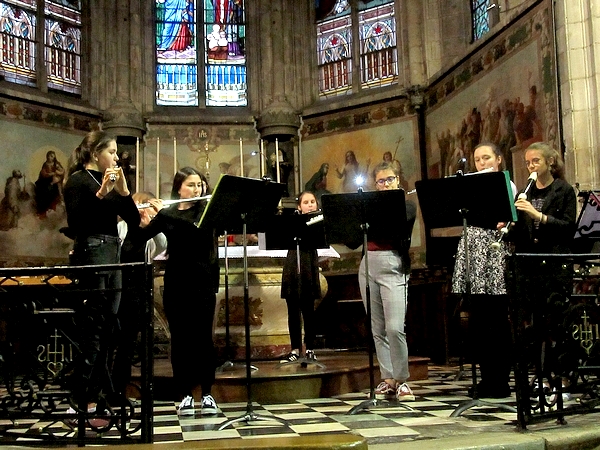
{"x": 578, "y": 51}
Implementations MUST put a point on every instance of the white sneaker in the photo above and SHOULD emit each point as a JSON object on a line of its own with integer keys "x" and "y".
{"x": 209, "y": 405}
{"x": 186, "y": 407}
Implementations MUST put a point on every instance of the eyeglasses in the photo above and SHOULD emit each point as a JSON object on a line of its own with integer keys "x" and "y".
{"x": 533, "y": 162}
{"x": 388, "y": 180}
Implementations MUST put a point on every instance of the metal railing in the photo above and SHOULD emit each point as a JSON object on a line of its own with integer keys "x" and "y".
{"x": 44, "y": 313}
{"x": 555, "y": 313}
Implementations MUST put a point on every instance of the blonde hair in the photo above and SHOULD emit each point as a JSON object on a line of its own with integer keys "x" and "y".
{"x": 557, "y": 169}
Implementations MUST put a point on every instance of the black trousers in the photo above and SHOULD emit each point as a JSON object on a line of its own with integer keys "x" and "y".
{"x": 96, "y": 315}
{"x": 301, "y": 309}
{"x": 490, "y": 338}
{"x": 190, "y": 317}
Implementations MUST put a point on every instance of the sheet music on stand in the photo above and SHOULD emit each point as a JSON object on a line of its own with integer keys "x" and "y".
{"x": 587, "y": 233}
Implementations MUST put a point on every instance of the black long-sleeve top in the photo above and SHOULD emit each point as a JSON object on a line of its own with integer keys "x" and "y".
{"x": 192, "y": 252}
{"x": 87, "y": 214}
{"x": 556, "y": 235}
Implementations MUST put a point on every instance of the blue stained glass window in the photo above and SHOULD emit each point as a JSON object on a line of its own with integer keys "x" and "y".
{"x": 480, "y": 18}
{"x": 178, "y": 65}
{"x": 176, "y": 53}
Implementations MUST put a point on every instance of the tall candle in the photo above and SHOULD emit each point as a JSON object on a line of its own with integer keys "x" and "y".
{"x": 174, "y": 155}
{"x": 137, "y": 165}
{"x": 262, "y": 170}
{"x": 277, "y": 159}
{"x": 241, "y": 159}
{"x": 157, "y": 167}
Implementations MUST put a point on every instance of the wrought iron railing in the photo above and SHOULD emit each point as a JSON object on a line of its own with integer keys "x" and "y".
{"x": 555, "y": 313}
{"x": 42, "y": 310}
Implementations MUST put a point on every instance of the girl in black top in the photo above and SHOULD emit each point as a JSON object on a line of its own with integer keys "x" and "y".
{"x": 93, "y": 201}
{"x": 300, "y": 292}
{"x": 190, "y": 284}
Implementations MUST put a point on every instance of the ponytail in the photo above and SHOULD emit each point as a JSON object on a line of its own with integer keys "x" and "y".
{"x": 93, "y": 143}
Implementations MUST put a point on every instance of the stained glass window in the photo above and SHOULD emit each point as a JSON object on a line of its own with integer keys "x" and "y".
{"x": 378, "y": 53}
{"x": 62, "y": 43}
{"x": 181, "y": 72}
{"x": 176, "y": 53}
{"x": 334, "y": 51}
{"x": 225, "y": 56}
{"x": 480, "y": 18}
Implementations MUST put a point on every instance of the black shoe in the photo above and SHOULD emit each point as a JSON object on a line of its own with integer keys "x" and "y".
{"x": 486, "y": 391}
{"x": 290, "y": 358}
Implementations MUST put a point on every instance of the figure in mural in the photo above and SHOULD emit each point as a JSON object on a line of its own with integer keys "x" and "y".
{"x": 48, "y": 186}
{"x": 526, "y": 124}
{"x": 10, "y": 209}
{"x": 351, "y": 171}
{"x": 318, "y": 182}
{"x": 177, "y": 30}
{"x": 389, "y": 158}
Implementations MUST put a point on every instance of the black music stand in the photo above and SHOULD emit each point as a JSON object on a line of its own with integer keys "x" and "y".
{"x": 352, "y": 219}
{"x": 228, "y": 364}
{"x": 244, "y": 204}
{"x": 477, "y": 199}
{"x": 298, "y": 232}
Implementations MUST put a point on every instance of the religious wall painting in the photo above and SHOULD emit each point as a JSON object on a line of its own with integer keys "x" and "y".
{"x": 32, "y": 208}
{"x": 504, "y": 93}
{"x": 334, "y": 162}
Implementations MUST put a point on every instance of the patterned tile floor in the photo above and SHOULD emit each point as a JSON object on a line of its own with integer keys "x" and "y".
{"x": 429, "y": 417}
{"x": 385, "y": 422}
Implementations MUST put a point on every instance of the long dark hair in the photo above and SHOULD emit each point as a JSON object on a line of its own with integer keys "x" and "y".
{"x": 180, "y": 177}
{"x": 93, "y": 143}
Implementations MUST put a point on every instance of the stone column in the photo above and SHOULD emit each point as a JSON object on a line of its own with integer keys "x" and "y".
{"x": 578, "y": 43}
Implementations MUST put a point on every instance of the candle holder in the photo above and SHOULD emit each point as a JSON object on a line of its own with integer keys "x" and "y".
{"x": 205, "y": 145}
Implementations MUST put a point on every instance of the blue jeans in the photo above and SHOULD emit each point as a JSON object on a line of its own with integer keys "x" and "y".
{"x": 389, "y": 298}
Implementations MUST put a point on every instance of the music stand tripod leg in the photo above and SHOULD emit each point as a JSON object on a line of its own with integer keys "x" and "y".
{"x": 228, "y": 364}
{"x": 249, "y": 415}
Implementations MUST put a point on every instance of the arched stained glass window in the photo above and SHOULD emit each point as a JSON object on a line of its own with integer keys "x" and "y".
{"x": 225, "y": 56}
{"x": 334, "y": 51}
{"x": 378, "y": 52}
{"x": 480, "y": 18}
{"x": 180, "y": 72}
{"x": 62, "y": 43}
{"x": 176, "y": 53}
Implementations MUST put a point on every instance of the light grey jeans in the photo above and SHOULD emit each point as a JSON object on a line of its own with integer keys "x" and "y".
{"x": 389, "y": 298}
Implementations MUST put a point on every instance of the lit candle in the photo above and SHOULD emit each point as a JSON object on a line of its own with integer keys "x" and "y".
{"x": 277, "y": 160}
{"x": 137, "y": 164}
{"x": 174, "y": 155}
{"x": 157, "y": 167}
{"x": 241, "y": 159}
{"x": 262, "y": 169}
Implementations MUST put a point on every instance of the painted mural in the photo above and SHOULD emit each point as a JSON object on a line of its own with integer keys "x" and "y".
{"x": 333, "y": 160}
{"x": 34, "y": 164}
{"x": 504, "y": 93}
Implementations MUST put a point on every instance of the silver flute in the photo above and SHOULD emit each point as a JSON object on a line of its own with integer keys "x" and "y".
{"x": 113, "y": 176}
{"x": 174, "y": 202}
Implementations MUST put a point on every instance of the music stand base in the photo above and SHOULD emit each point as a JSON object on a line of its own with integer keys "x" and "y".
{"x": 251, "y": 416}
{"x": 375, "y": 403}
{"x": 303, "y": 363}
{"x": 478, "y": 402}
{"x": 230, "y": 365}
